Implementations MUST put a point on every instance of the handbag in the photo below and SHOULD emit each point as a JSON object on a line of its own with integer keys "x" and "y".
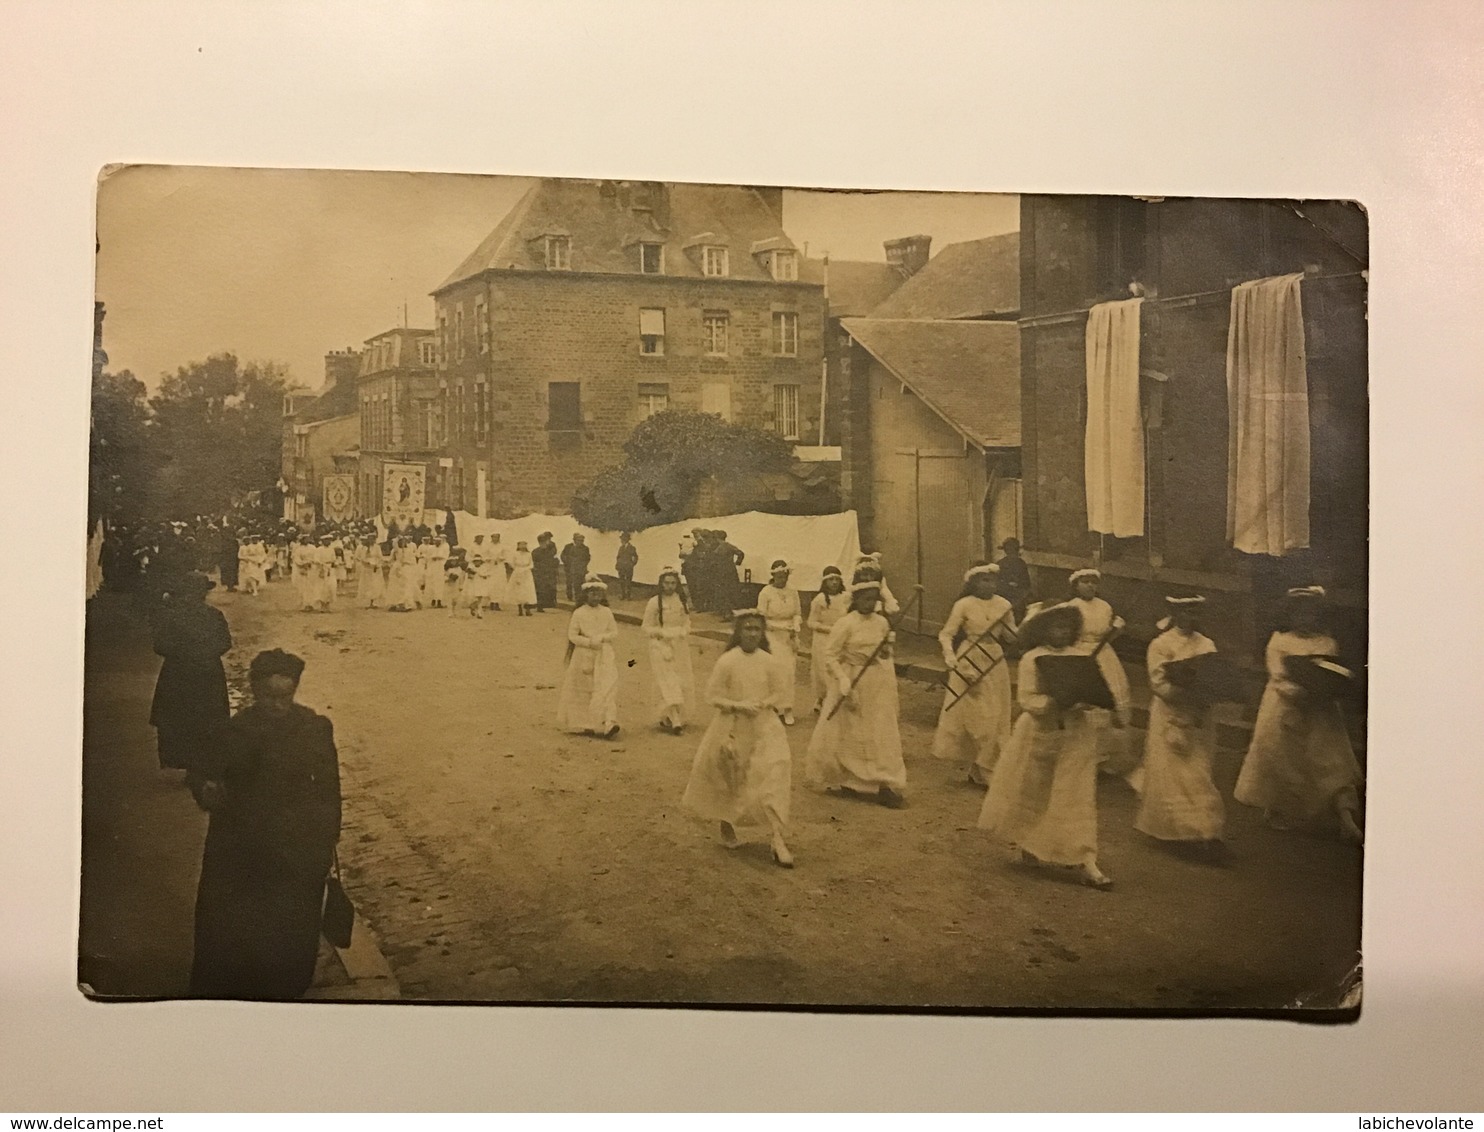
{"x": 339, "y": 914}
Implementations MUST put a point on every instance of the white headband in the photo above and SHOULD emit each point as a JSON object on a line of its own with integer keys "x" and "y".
{"x": 987, "y": 568}
{"x": 1078, "y": 575}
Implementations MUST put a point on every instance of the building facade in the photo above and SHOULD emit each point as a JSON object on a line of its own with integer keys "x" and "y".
{"x": 401, "y": 414}
{"x": 1186, "y": 256}
{"x": 321, "y": 437}
{"x": 595, "y": 304}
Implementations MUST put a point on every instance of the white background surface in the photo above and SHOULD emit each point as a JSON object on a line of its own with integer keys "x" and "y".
{"x": 1375, "y": 101}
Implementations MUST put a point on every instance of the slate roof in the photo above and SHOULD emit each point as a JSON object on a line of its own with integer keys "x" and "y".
{"x": 341, "y": 399}
{"x": 856, "y": 287}
{"x": 973, "y": 279}
{"x": 605, "y": 222}
{"x": 966, "y": 372}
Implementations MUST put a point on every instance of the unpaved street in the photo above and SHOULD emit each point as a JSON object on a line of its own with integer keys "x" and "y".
{"x": 497, "y": 859}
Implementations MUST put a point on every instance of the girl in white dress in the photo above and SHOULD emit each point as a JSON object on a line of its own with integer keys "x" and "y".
{"x": 324, "y": 574}
{"x": 667, "y": 625}
{"x": 477, "y": 582}
{"x": 522, "y": 587}
{"x": 1042, "y": 798}
{"x": 856, "y": 747}
{"x": 372, "y": 582}
{"x": 742, "y": 774}
{"x": 1300, "y": 768}
{"x": 434, "y": 555}
{"x": 497, "y": 556}
{"x": 974, "y": 725}
{"x": 828, "y": 606}
{"x": 589, "y": 697}
{"x": 304, "y": 577}
{"x": 779, "y": 605}
{"x": 456, "y": 576}
{"x": 244, "y": 564}
{"x": 1180, "y": 801}
{"x": 1100, "y": 628}
{"x": 340, "y": 565}
{"x": 401, "y": 584}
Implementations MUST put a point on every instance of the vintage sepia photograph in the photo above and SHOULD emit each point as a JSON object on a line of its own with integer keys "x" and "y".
{"x": 519, "y": 590}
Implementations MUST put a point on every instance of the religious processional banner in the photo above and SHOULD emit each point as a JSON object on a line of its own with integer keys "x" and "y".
{"x": 402, "y": 494}
{"x": 338, "y": 498}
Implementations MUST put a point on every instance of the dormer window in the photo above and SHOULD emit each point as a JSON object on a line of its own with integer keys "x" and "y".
{"x": 784, "y": 265}
{"x": 714, "y": 260}
{"x": 652, "y": 259}
{"x": 558, "y": 253}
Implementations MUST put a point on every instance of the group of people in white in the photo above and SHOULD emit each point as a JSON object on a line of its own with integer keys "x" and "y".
{"x": 1040, "y": 768}
{"x": 399, "y": 574}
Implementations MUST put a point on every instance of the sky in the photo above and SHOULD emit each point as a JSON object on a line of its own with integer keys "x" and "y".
{"x": 287, "y": 265}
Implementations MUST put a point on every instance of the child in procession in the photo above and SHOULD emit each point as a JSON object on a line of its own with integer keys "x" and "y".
{"x": 857, "y": 743}
{"x": 1300, "y": 767}
{"x": 667, "y": 625}
{"x": 1180, "y": 802}
{"x": 829, "y": 605}
{"x": 742, "y": 773}
{"x": 779, "y": 606}
{"x": 1042, "y": 798}
{"x": 588, "y": 703}
{"x": 974, "y": 722}
{"x": 522, "y": 587}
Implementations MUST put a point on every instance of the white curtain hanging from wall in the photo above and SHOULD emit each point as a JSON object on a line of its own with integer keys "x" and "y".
{"x": 1114, "y": 444}
{"x": 1267, "y": 385}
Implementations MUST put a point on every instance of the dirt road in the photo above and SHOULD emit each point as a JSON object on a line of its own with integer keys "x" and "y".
{"x": 500, "y": 860}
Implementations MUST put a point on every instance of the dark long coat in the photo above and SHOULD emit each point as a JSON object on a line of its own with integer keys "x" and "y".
{"x": 268, "y": 850}
{"x": 545, "y": 569}
{"x": 190, "y": 705}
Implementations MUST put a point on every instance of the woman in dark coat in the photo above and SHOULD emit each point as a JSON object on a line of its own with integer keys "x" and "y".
{"x": 190, "y": 705}
{"x": 274, "y": 797}
{"x": 545, "y": 569}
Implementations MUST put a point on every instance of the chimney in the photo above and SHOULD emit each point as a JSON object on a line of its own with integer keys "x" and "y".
{"x": 773, "y": 198}
{"x": 341, "y": 365}
{"x": 908, "y": 254}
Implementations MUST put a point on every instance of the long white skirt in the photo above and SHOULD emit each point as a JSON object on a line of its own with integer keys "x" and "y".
{"x": 1300, "y": 764}
{"x": 522, "y": 588}
{"x": 589, "y": 695}
{"x": 496, "y": 585}
{"x": 304, "y": 586}
{"x": 819, "y": 673}
{"x": 781, "y": 649}
{"x": 674, "y": 678}
{"x": 860, "y": 748}
{"x": 1180, "y": 801}
{"x": 977, "y": 728}
{"x": 372, "y": 583}
{"x": 742, "y": 772}
{"x": 1043, "y": 796}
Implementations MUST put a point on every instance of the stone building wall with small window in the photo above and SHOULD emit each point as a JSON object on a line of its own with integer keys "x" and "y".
{"x": 573, "y": 361}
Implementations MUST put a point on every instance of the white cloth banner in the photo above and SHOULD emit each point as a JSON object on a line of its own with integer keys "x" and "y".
{"x": 1267, "y": 385}
{"x": 1114, "y": 444}
{"x": 808, "y": 543}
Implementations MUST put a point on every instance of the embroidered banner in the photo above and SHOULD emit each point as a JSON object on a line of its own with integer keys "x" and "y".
{"x": 338, "y": 497}
{"x": 402, "y": 494}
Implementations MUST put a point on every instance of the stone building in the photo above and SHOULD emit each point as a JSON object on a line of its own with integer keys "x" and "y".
{"x": 1186, "y": 255}
{"x": 401, "y": 413}
{"x": 321, "y": 437}
{"x": 595, "y": 304}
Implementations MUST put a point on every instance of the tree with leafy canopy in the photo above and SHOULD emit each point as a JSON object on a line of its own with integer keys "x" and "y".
{"x": 218, "y": 429}
{"x": 121, "y": 457}
{"x": 669, "y": 456}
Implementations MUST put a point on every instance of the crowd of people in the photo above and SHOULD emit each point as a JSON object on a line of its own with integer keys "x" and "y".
{"x": 1038, "y": 767}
